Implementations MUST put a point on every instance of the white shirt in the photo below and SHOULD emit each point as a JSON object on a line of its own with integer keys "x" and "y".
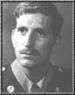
{"x": 25, "y": 82}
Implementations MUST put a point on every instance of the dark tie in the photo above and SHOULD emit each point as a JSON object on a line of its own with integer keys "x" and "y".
{"x": 35, "y": 88}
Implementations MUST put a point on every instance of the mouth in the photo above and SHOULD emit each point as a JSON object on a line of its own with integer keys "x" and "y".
{"x": 29, "y": 53}
{"x": 26, "y": 53}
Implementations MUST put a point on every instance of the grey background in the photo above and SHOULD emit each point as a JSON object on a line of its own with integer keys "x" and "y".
{"x": 62, "y": 55}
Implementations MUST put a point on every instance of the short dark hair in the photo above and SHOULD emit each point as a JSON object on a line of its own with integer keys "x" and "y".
{"x": 47, "y": 8}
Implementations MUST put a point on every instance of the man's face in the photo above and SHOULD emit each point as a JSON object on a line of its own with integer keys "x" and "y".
{"x": 33, "y": 39}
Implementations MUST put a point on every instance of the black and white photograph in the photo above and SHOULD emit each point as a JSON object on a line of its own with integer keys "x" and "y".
{"x": 37, "y": 47}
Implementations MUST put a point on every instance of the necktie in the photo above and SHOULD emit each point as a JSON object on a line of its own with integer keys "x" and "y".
{"x": 35, "y": 88}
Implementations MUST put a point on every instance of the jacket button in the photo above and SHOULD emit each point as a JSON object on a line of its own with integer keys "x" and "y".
{"x": 10, "y": 89}
{"x": 3, "y": 68}
{"x": 57, "y": 89}
{"x": 60, "y": 69}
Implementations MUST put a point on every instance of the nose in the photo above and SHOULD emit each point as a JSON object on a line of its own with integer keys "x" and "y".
{"x": 29, "y": 41}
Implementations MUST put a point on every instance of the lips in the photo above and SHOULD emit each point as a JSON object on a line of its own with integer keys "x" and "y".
{"x": 29, "y": 52}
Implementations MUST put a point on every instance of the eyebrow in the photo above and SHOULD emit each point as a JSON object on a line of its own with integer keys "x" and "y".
{"x": 22, "y": 28}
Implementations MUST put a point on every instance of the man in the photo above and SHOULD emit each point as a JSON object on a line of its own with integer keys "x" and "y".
{"x": 38, "y": 24}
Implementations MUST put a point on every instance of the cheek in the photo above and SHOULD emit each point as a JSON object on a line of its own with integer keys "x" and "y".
{"x": 17, "y": 40}
{"x": 44, "y": 45}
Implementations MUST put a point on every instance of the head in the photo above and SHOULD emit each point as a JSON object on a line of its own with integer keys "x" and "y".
{"x": 37, "y": 26}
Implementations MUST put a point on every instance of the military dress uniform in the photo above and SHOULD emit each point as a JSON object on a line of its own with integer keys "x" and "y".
{"x": 61, "y": 81}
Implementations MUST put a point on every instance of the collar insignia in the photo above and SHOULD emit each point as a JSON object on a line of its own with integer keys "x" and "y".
{"x": 10, "y": 89}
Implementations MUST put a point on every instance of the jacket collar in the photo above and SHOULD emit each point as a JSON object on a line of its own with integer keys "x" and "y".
{"x": 25, "y": 82}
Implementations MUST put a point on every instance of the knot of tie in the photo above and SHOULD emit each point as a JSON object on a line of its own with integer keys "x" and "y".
{"x": 35, "y": 88}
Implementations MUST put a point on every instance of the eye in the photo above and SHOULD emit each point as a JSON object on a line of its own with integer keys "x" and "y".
{"x": 41, "y": 32}
{"x": 22, "y": 30}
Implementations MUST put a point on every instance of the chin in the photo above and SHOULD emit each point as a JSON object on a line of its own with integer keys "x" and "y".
{"x": 27, "y": 63}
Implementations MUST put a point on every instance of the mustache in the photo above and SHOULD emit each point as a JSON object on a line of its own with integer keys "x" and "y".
{"x": 29, "y": 52}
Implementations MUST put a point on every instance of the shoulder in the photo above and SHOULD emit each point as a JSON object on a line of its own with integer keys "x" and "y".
{"x": 6, "y": 77}
{"x": 62, "y": 78}
{"x": 9, "y": 82}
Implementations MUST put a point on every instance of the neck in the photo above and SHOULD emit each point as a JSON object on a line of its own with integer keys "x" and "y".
{"x": 37, "y": 73}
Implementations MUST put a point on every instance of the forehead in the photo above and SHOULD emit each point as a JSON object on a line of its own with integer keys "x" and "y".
{"x": 37, "y": 20}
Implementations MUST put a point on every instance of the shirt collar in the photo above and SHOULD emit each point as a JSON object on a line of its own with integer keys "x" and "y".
{"x": 29, "y": 83}
{"x": 22, "y": 78}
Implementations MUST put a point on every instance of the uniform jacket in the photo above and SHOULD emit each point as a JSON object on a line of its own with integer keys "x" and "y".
{"x": 61, "y": 81}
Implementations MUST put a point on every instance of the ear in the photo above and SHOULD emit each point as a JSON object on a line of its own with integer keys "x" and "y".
{"x": 57, "y": 42}
{"x": 13, "y": 38}
{"x": 58, "y": 39}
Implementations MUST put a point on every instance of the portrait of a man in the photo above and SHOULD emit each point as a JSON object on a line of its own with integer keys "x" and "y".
{"x": 38, "y": 25}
